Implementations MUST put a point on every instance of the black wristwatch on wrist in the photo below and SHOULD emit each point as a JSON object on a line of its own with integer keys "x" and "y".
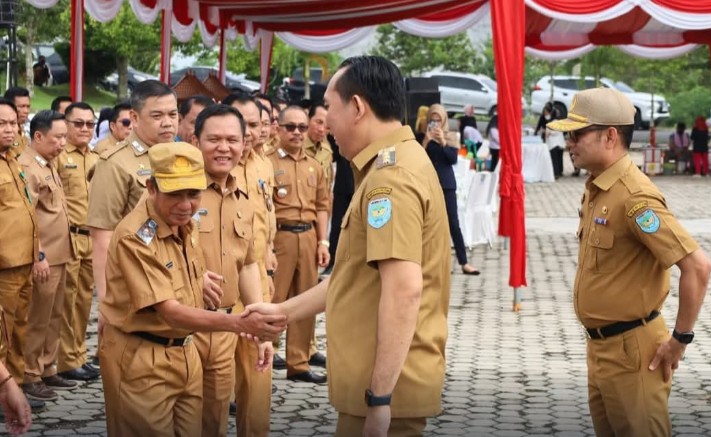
{"x": 683, "y": 337}
{"x": 376, "y": 401}
{"x": 41, "y": 256}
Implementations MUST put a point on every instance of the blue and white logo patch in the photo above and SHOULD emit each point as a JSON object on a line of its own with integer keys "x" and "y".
{"x": 380, "y": 211}
{"x": 648, "y": 221}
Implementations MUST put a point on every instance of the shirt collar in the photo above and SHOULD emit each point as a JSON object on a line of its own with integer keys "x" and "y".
{"x": 613, "y": 173}
{"x": 366, "y": 155}
{"x": 231, "y": 184}
{"x": 163, "y": 230}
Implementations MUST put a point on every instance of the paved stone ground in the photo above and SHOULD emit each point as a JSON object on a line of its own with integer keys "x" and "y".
{"x": 507, "y": 374}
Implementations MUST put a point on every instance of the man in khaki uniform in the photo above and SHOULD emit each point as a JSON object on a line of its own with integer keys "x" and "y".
{"x": 628, "y": 241}
{"x": 20, "y": 97}
{"x": 120, "y": 175}
{"x": 48, "y": 131}
{"x": 120, "y": 126}
{"x": 73, "y": 165}
{"x": 152, "y": 375}
{"x": 254, "y": 175}
{"x": 188, "y": 112}
{"x": 20, "y": 244}
{"x": 386, "y": 301}
{"x": 301, "y": 243}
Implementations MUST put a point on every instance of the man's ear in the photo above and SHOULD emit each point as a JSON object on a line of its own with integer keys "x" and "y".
{"x": 360, "y": 107}
{"x": 150, "y": 187}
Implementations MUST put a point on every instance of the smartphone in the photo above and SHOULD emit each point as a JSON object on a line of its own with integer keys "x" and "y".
{"x": 431, "y": 125}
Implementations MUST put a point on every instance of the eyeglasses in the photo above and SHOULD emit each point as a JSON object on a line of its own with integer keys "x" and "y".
{"x": 291, "y": 127}
{"x": 574, "y": 135}
{"x": 126, "y": 122}
{"x": 81, "y": 123}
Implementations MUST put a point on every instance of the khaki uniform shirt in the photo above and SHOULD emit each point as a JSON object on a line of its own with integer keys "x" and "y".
{"x": 300, "y": 187}
{"x": 628, "y": 241}
{"x": 225, "y": 224}
{"x": 147, "y": 265}
{"x": 50, "y": 206}
{"x": 18, "y": 232}
{"x": 73, "y": 167}
{"x": 105, "y": 144}
{"x": 256, "y": 175}
{"x": 397, "y": 212}
{"x": 322, "y": 153}
{"x": 118, "y": 182}
{"x": 21, "y": 143}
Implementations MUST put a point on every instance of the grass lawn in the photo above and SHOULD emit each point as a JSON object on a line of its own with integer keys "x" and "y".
{"x": 93, "y": 96}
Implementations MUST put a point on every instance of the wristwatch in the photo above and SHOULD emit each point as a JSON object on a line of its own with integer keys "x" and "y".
{"x": 683, "y": 337}
{"x": 41, "y": 256}
{"x": 325, "y": 243}
{"x": 376, "y": 401}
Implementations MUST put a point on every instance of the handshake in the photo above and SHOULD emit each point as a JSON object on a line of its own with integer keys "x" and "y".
{"x": 262, "y": 322}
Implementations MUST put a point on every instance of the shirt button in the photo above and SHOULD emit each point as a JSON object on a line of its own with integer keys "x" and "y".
{"x": 239, "y": 214}
{"x": 590, "y": 204}
{"x": 597, "y": 241}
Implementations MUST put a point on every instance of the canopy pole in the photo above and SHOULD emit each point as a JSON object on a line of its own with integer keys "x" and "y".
{"x": 76, "y": 86}
{"x": 517, "y": 300}
{"x": 165, "y": 44}
{"x": 223, "y": 57}
{"x": 265, "y": 58}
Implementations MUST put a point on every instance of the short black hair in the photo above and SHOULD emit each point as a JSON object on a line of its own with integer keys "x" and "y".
{"x": 289, "y": 109}
{"x": 258, "y": 95}
{"x": 240, "y": 98}
{"x": 625, "y": 133}
{"x": 314, "y": 108}
{"x": 43, "y": 120}
{"x": 16, "y": 91}
{"x": 199, "y": 99}
{"x": 117, "y": 109}
{"x": 377, "y": 81}
{"x": 7, "y": 102}
{"x": 58, "y": 101}
{"x": 147, "y": 89}
{"x": 78, "y": 105}
{"x": 217, "y": 110}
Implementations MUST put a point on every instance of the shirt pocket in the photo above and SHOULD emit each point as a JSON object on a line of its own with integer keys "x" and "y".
{"x": 54, "y": 193}
{"x": 243, "y": 229}
{"x": 601, "y": 244}
{"x": 178, "y": 282}
{"x": 6, "y": 189}
{"x": 344, "y": 239}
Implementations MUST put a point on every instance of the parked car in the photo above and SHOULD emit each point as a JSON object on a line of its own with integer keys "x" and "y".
{"x": 459, "y": 89}
{"x": 58, "y": 72}
{"x": 235, "y": 82}
{"x": 293, "y": 88}
{"x": 110, "y": 83}
{"x": 565, "y": 87}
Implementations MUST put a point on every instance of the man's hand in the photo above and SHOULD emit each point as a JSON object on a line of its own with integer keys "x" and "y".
{"x": 271, "y": 262}
{"x": 265, "y": 354}
{"x": 262, "y": 322}
{"x": 102, "y": 322}
{"x": 668, "y": 356}
{"x": 211, "y": 290}
{"x": 40, "y": 271}
{"x": 377, "y": 421}
{"x": 322, "y": 256}
{"x": 272, "y": 289}
{"x": 18, "y": 416}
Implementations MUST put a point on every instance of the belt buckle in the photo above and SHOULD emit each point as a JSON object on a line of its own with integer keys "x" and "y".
{"x": 188, "y": 340}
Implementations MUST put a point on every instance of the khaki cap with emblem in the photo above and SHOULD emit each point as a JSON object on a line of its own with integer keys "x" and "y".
{"x": 177, "y": 166}
{"x": 597, "y": 106}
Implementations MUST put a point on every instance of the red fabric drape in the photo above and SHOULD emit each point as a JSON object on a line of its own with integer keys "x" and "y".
{"x": 509, "y": 27}
{"x": 693, "y": 6}
{"x": 582, "y": 7}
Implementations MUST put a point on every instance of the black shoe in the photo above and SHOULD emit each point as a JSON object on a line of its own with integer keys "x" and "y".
{"x": 95, "y": 361}
{"x": 311, "y": 377}
{"x": 80, "y": 374}
{"x": 89, "y": 368}
{"x": 274, "y": 388}
{"x": 278, "y": 363}
{"x": 56, "y": 382}
{"x": 233, "y": 408}
{"x": 36, "y": 406}
{"x": 318, "y": 359}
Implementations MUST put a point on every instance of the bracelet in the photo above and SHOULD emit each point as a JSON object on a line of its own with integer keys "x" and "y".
{"x": 4, "y": 381}
{"x": 325, "y": 243}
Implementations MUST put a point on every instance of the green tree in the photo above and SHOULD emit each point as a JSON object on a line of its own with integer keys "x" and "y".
{"x": 415, "y": 55}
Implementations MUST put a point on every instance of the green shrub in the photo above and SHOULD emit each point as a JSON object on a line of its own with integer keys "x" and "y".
{"x": 688, "y": 105}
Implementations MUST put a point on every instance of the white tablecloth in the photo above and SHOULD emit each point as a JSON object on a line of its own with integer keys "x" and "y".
{"x": 477, "y": 201}
{"x": 537, "y": 165}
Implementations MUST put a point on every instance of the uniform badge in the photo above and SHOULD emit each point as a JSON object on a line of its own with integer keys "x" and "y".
{"x": 279, "y": 172}
{"x": 648, "y": 221}
{"x": 143, "y": 171}
{"x": 380, "y": 211}
{"x": 386, "y": 157}
{"x": 70, "y": 163}
{"x": 169, "y": 264}
{"x": 604, "y": 210}
{"x": 281, "y": 192}
{"x": 137, "y": 147}
{"x": 636, "y": 207}
{"x": 281, "y": 153}
{"x": 147, "y": 231}
{"x": 41, "y": 161}
{"x": 381, "y": 190}
{"x": 198, "y": 213}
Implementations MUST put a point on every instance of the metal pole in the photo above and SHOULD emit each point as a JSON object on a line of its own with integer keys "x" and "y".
{"x": 517, "y": 300}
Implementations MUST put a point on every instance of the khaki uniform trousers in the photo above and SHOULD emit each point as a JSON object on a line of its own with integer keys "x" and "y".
{"x": 15, "y": 293}
{"x": 43, "y": 321}
{"x": 78, "y": 294}
{"x": 150, "y": 389}
{"x": 217, "y": 351}
{"x": 625, "y": 398}
{"x": 352, "y": 426}
{"x": 297, "y": 272}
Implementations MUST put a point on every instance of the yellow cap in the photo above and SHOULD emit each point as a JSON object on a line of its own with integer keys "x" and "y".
{"x": 177, "y": 166}
{"x": 599, "y": 106}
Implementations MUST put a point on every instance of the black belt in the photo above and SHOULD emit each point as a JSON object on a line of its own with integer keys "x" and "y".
{"x": 619, "y": 327}
{"x": 164, "y": 341}
{"x": 78, "y": 230}
{"x": 222, "y": 310}
{"x": 301, "y": 227}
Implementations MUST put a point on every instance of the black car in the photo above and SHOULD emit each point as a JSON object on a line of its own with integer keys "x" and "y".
{"x": 110, "y": 83}
{"x": 293, "y": 88}
{"x": 232, "y": 81}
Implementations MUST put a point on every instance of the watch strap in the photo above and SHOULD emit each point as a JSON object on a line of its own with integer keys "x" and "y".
{"x": 376, "y": 401}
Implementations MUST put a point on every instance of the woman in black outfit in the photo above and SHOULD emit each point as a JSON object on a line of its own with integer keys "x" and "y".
{"x": 443, "y": 150}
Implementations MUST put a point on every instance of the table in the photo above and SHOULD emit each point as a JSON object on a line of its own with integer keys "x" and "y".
{"x": 537, "y": 165}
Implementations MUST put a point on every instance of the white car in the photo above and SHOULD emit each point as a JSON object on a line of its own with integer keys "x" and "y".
{"x": 459, "y": 89}
{"x": 565, "y": 87}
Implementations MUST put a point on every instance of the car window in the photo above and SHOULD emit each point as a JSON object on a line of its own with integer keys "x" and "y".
{"x": 447, "y": 81}
{"x": 590, "y": 83}
{"x": 490, "y": 83}
{"x": 569, "y": 84}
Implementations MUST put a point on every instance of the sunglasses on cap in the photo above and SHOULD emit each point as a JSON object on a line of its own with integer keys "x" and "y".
{"x": 81, "y": 123}
{"x": 291, "y": 127}
{"x": 574, "y": 135}
{"x": 126, "y": 122}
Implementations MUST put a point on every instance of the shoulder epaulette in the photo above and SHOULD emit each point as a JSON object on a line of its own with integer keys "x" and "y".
{"x": 113, "y": 149}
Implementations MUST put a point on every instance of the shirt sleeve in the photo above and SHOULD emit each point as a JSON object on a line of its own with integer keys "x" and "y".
{"x": 393, "y": 211}
{"x": 322, "y": 199}
{"x": 107, "y": 195}
{"x": 656, "y": 227}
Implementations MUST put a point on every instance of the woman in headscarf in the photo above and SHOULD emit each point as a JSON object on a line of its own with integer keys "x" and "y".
{"x": 442, "y": 147}
{"x": 700, "y": 146}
